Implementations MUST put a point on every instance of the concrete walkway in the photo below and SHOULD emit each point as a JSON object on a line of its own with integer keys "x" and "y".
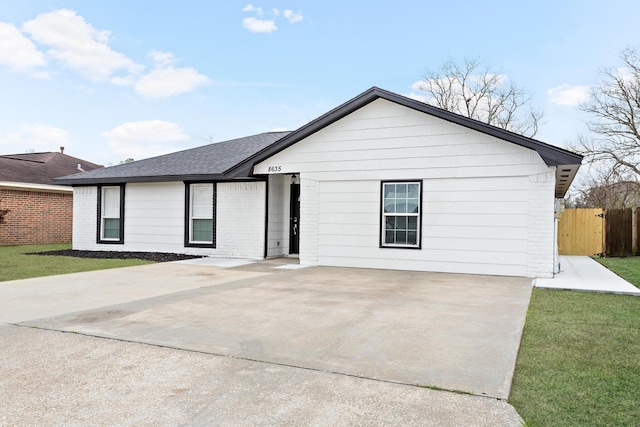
{"x": 582, "y": 273}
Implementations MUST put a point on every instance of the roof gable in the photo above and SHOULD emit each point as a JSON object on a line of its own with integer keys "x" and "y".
{"x": 551, "y": 155}
{"x": 566, "y": 161}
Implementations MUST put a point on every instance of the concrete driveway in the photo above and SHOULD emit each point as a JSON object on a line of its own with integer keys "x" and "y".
{"x": 258, "y": 345}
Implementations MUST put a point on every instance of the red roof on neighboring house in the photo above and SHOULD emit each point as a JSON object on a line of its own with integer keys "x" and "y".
{"x": 41, "y": 168}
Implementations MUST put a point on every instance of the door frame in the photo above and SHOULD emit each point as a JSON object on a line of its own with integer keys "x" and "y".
{"x": 294, "y": 219}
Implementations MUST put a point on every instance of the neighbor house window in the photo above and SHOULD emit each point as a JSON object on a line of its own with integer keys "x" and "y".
{"x": 200, "y": 214}
{"x": 401, "y": 202}
{"x": 111, "y": 214}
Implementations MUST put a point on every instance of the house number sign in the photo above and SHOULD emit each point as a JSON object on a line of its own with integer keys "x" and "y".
{"x": 277, "y": 168}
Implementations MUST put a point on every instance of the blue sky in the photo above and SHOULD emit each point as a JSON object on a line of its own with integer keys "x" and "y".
{"x": 116, "y": 79}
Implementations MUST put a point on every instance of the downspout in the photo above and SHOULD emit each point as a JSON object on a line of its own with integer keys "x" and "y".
{"x": 558, "y": 209}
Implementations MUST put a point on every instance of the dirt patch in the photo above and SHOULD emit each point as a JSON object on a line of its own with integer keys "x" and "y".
{"x": 147, "y": 256}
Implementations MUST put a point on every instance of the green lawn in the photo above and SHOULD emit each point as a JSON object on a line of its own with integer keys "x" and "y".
{"x": 579, "y": 360}
{"x": 628, "y": 268}
{"x": 16, "y": 264}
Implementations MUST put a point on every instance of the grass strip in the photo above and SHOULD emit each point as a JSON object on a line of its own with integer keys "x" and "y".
{"x": 16, "y": 264}
{"x": 579, "y": 360}
{"x": 628, "y": 268}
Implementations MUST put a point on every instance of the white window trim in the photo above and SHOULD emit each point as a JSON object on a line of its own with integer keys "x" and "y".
{"x": 384, "y": 215}
{"x": 192, "y": 217}
{"x": 103, "y": 211}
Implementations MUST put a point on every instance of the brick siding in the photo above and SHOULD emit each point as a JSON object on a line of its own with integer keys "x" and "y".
{"x": 35, "y": 217}
{"x": 540, "y": 236}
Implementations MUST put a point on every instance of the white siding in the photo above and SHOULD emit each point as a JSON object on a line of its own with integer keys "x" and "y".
{"x": 85, "y": 212}
{"x": 486, "y": 202}
{"x": 309, "y": 222}
{"x": 278, "y": 226}
{"x": 154, "y": 219}
{"x": 386, "y": 139}
{"x": 241, "y": 219}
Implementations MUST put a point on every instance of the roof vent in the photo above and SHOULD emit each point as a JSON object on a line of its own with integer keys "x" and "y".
{"x": 80, "y": 167}
{"x": 61, "y": 150}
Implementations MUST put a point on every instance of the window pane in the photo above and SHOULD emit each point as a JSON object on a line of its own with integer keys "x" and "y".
{"x": 401, "y": 222}
{"x": 412, "y": 223}
{"x": 401, "y": 191}
{"x": 412, "y": 238}
{"x": 202, "y": 230}
{"x": 412, "y": 206}
{"x": 401, "y": 206}
{"x": 413, "y": 191}
{"x": 111, "y": 202}
{"x": 389, "y": 237}
{"x": 111, "y": 228}
{"x": 391, "y": 223}
{"x": 401, "y": 237}
{"x": 202, "y": 201}
{"x": 389, "y": 191}
{"x": 389, "y": 206}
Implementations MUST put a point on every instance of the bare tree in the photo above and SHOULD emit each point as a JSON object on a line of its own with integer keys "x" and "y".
{"x": 614, "y": 108}
{"x": 607, "y": 189}
{"x": 472, "y": 89}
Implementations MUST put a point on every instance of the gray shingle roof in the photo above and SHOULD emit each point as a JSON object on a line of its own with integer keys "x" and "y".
{"x": 206, "y": 162}
{"x": 40, "y": 168}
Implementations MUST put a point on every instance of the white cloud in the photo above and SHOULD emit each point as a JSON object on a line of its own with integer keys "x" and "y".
{"x": 165, "y": 80}
{"x": 419, "y": 85}
{"x": 146, "y": 138}
{"x": 418, "y": 97}
{"x": 259, "y": 25}
{"x": 79, "y": 46}
{"x": 252, "y": 8}
{"x": 18, "y": 52}
{"x": 567, "y": 95}
{"x": 162, "y": 58}
{"x": 292, "y": 16}
{"x": 34, "y": 136}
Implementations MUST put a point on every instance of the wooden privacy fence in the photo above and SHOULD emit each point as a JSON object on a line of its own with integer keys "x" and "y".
{"x": 580, "y": 232}
{"x": 611, "y": 232}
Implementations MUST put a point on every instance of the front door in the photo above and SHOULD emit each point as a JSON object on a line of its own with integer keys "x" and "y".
{"x": 294, "y": 219}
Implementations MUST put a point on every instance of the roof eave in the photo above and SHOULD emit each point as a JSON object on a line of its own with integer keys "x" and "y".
{"x": 140, "y": 179}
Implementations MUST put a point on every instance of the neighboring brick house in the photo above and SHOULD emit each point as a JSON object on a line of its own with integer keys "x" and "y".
{"x": 33, "y": 210}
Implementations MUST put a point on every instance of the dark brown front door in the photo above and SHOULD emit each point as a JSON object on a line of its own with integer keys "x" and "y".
{"x": 294, "y": 219}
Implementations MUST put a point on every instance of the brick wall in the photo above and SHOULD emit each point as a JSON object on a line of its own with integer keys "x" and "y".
{"x": 240, "y": 219}
{"x": 35, "y": 217}
{"x": 540, "y": 225}
{"x": 309, "y": 221}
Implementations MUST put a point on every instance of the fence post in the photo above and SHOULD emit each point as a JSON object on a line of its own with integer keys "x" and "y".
{"x": 605, "y": 249}
{"x": 634, "y": 231}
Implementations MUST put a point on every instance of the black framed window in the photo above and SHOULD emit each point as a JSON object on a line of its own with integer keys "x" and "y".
{"x": 200, "y": 214}
{"x": 401, "y": 203}
{"x": 111, "y": 214}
